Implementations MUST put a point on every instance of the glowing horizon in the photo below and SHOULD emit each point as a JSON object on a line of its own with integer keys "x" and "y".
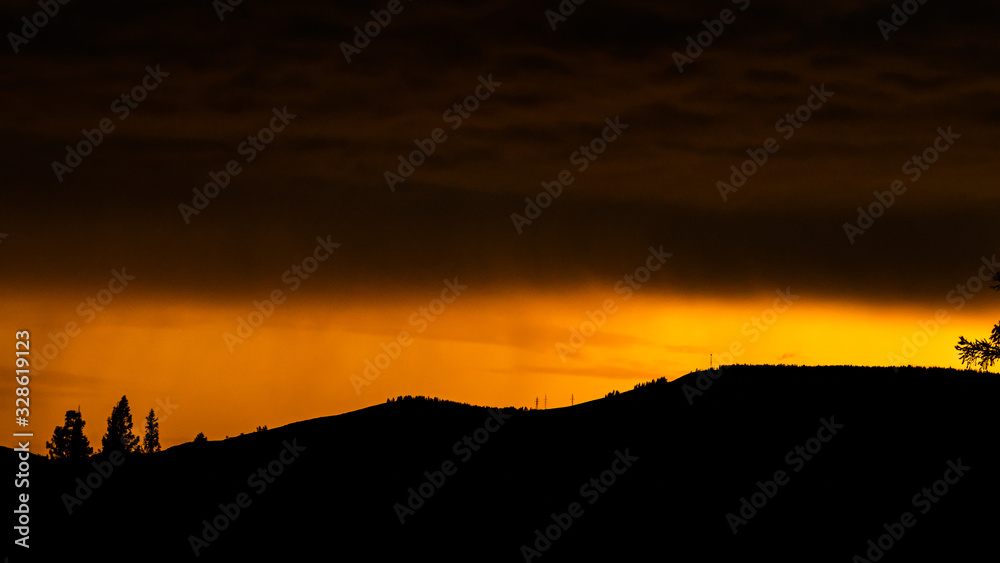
{"x": 485, "y": 349}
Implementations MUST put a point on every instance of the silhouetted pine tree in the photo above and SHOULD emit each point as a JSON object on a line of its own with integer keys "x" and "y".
{"x": 119, "y": 435}
{"x": 985, "y": 351}
{"x": 151, "y": 440}
{"x": 68, "y": 442}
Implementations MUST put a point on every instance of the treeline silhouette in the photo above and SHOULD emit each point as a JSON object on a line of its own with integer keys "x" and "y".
{"x": 420, "y": 399}
{"x": 69, "y": 443}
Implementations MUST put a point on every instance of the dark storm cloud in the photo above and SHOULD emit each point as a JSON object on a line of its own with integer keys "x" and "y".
{"x": 655, "y": 185}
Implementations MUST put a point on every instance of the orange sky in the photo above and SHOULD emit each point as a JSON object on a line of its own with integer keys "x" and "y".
{"x": 321, "y": 177}
{"x": 496, "y": 349}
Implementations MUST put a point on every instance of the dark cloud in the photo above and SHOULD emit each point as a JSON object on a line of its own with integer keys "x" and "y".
{"x": 655, "y": 185}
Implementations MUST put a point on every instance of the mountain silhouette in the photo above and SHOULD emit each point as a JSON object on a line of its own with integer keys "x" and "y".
{"x": 671, "y": 469}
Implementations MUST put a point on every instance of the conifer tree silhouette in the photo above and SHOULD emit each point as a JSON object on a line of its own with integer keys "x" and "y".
{"x": 119, "y": 435}
{"x": 985, "y": 351}
{"x": 68, "y": 442}
{"x": 151, "y": 439}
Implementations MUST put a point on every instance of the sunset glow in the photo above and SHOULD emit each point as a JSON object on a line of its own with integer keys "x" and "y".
{"x": 495, "y": 349}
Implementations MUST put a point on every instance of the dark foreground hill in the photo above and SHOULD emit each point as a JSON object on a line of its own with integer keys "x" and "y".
{"x": 874, "y": 446}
